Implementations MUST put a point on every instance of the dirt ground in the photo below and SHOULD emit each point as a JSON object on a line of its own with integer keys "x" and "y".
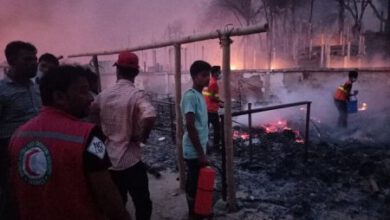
{"x": 168, "y": 200}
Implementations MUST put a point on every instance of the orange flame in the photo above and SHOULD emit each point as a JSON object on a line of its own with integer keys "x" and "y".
{"x": 363, "y": 107}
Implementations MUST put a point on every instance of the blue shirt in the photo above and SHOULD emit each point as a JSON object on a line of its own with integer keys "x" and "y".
{"x": 193, "y": 101}
{"x": 18, "y": 104}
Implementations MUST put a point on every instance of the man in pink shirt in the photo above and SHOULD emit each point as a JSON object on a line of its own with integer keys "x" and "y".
{"x": 127, "y": 117}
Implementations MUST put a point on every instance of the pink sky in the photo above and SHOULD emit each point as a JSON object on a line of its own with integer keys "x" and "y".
{"x": 74, "y": 26}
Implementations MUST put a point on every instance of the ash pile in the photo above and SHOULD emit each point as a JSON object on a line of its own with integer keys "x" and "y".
{"x": 344, "y": 179}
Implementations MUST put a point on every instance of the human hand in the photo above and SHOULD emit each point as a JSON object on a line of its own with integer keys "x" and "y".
{"x": 221, "y": 104}
{"x": 203, "y": 160}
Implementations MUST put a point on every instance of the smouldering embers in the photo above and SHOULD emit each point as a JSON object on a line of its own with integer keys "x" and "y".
{"x": 279, "y": 126}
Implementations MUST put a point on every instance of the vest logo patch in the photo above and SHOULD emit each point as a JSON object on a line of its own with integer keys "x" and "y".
{"x": 35, "y": 163}
{"x": 97, "y": 148}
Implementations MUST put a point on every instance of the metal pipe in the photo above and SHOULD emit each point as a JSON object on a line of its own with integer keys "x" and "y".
{"x": 179, "y": 121}
{"x": 307, "y": 131}
{"x": 189, "y": 39}
{"x": 268, "y": 108}
{"x": 250, "y": 132}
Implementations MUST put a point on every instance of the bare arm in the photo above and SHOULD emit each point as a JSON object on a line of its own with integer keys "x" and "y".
{"x": 107, "y": 195}
{"x": 147, "y": 126}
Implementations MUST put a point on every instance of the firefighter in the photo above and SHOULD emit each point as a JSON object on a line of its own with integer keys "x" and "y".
{"x": 214, "y": 102}
{"x": 342, "y": 96}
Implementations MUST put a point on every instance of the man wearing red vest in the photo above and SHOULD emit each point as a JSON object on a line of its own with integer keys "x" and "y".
{"x": 342, "y": 96}
{"x": 58, "y": 162}
{"x": 213, "y": 103}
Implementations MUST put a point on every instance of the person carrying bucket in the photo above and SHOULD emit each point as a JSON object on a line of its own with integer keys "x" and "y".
{"x": 342, "y": 96}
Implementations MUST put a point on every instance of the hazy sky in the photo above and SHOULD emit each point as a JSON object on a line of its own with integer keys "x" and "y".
{"x": 63, "y": 27}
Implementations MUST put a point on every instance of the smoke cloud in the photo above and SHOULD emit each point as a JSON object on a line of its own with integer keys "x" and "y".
{"x": 66, "y": 27}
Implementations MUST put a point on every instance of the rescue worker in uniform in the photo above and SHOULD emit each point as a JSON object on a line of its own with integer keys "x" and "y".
{"x": 58, "y": 162}
{"x": 342, "y": 96}
{"x": 213, "y": 103}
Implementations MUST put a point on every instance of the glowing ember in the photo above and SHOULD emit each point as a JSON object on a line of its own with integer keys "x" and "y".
{"x": 279, "y": 126}
{"x": 275, "y": 127}
{"x": 363, "y": 107}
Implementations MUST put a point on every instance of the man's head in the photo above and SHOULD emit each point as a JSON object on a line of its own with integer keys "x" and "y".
{"x": 66, "y": 87}
{"x": 127, "y": 65}
{"x": 353, "y": 75}
{"x": 216, "y": 72}
{"x": 22, "y": 58}
{"x": 200, "y": 73}
{"x": 46, "y": 62}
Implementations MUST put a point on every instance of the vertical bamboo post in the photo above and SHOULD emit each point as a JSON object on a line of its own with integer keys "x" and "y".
{"x": 155, "y": 60}
{"x": 348, "y": 53}
{"x": 328, "y": 55}
{"x": 179, "y": 120}
{"x": 225, "y": 41}
{"x": 96, "y": 67}
{"x": 322, "y": 50}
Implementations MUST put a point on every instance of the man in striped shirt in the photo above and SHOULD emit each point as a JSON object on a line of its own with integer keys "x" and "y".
{"x": 127, "y": 117}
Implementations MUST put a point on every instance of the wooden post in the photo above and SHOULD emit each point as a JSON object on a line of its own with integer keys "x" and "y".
{"x": 225, "y": 41}
{"x": 179, "y": 120}
{"x": 348, "y": 53}
{"x": 328, "y": 57}
{"x": 322, "y": 50}
{"x": 96, "y": 67}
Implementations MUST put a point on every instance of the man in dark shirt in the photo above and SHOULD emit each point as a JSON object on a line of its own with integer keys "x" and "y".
{"x": 19, "y": 99}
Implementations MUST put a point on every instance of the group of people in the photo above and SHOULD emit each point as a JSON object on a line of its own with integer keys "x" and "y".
{"x": 66, "y": 151}
{"x": 70, "y": 152}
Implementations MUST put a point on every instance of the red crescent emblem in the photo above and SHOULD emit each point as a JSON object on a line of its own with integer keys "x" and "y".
{"x": 27, "y": 162}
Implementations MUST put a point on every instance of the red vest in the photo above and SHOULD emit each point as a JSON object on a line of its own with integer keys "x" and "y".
{"x": 47, "y": 171}
{"x": 209, "y": 92}
{"x": 342, "y": 93}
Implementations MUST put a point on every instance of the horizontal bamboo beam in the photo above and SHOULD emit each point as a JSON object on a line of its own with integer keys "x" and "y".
{"x": 189, "y": 39}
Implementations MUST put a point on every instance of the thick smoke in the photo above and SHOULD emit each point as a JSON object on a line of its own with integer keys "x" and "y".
{"x": 370, "y": 126}
{"x": 66, "y": 27}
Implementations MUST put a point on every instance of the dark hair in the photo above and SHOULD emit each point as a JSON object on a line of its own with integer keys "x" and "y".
{"x": 215, "y": 69}
{"x": 127, "y": 72}
{"x": 352, "y": 74}
{"x": 59, "y": 79}
{"x": 48, "y": 57}
{"x": 13, "y": 48}
{"x": 199, "y": 66}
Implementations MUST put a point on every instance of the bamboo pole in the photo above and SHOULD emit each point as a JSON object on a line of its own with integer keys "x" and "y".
{"x": 179, "y": 120}
{"x": 189, "y": 39}
{"x": 96, "y": 67}
{"x": 231, "y": 196}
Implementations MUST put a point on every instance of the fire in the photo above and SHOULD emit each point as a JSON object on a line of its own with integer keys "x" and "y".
{"x": 363, "y": 107}
{"x": 275, "y": 127}
{"x": 269, "y": 128}
{"x": 233, "y": 67}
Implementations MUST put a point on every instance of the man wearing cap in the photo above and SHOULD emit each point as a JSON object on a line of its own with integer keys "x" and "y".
{"x": 126, "y": 118}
